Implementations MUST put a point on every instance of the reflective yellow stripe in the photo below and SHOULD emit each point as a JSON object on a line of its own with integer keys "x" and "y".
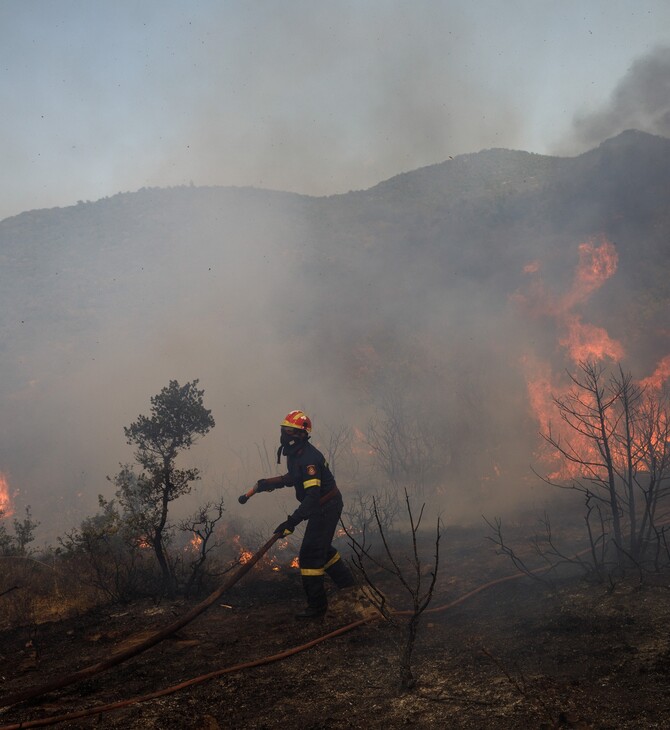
{"x": 312, "y": 571}
{"x": 311, "y": 483}
{"x": 332, "y": 561}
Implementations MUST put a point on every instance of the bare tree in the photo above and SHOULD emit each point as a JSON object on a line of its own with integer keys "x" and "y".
{"x": 364, "y": 511}
{"x": 201, "y": 525}
{"x": 264, "y": 458}
{"x": 412, "y": 578}
{"x": 544, "y": 547}
{"x": 654, "y": 437}
{"x": 404, "y": 444}
{"x": 338, "y": 442}
{"x": 617, "y": 447}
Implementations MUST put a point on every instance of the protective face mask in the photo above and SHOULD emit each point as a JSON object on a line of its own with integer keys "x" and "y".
{"x": 288, "y": 440}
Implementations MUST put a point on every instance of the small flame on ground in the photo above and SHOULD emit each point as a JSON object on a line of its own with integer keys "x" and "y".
{"x": 6, "y": 509}
{"x": 268, "y": 562}
{"x": 244, "y": 555}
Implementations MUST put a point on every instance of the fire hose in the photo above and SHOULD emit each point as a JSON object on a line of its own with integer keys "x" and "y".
{"x": 147, "y": 643}
{"x": 184, "y": 685}
{"x": 190, "y": 616}
{"x": 159, "y": 636}
{"x": 187, "y": 618}
{"x": 244, "y": 498}
{"x": 100, "y": 709}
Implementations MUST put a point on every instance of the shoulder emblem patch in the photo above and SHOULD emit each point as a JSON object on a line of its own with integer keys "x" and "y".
{"x": 311, "y": 470}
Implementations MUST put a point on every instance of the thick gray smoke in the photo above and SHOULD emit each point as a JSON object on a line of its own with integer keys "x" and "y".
{"x": 259, "y": 297}
{"x": 640, "y": 101}
{"x": 342, "y": 306}
{"x": 291, "y": 118}
{"x": 120, "y": 297}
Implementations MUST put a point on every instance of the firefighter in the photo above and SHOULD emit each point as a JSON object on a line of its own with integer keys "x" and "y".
{"x": 320, "y": 505}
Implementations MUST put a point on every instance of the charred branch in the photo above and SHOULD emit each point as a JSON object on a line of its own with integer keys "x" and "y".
{"x": 410, "y": 578}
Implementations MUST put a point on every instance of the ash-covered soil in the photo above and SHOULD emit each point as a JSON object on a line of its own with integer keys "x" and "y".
{"x": 520, "y": 654}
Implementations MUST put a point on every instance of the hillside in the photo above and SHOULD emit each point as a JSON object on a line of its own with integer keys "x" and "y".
{"x": 439, "y": 280}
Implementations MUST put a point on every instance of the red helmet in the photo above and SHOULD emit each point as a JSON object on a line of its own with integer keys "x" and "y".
{"x": 297, "y": 419}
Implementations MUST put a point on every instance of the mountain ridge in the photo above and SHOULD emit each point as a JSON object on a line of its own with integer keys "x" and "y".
{"x": 408, "y": 290}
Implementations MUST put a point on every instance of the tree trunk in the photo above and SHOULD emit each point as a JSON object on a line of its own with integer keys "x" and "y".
{"x": 168, "y": 581}
{"x": 407, "y": 680}
{"x": 611, "y": 477}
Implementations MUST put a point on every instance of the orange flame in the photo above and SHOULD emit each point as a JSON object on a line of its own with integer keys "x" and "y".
{"x": 194, "y": 543}
{"x": 581, "y": 341}
{"x": 659, "y": 376}
{"x": 267, "y": 562}
{"x": 598, "y": 261}
{"x": 596, "y": 265}
{"x": 244, "y": 555}
{"x": 586, "y": 342}
{"x": 6, "y": 509}
{"x": 539, "y": 387}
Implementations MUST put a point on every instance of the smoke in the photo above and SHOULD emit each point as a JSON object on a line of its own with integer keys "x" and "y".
{"x": 641, "y": 100}
{"x": 319, "y": 100}
{"x": 272, "y": 307}
{"x": 130, "y": 293}
{"x": 270, "y": 300}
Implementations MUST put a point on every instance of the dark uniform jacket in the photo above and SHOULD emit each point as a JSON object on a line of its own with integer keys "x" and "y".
{"x": 309, "y": 474}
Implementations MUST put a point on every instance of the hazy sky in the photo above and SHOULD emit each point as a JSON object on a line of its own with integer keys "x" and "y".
{"x": 314, "y": 97}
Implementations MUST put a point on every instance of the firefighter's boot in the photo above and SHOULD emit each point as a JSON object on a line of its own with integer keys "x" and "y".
{"x": 317, "y": 602}
{"x": 311, "y": 612}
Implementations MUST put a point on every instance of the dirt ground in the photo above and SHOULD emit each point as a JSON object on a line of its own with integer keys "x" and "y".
{"x": 520, "y": 654}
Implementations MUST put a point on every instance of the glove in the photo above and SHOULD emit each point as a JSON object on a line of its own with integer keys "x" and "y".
{"x": 286, "y": 528}
{"x": 264, "y": 485}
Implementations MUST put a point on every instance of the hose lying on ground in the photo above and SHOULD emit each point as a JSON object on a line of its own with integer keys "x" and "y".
{"x": 190, "y": 616}
{"x": 142, "y": 646}
{"x": 159, "y": 636}
{"x": 100, "y": 709}
{"x": 43, "y": 722}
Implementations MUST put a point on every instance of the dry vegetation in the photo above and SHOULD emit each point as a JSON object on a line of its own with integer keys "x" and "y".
{"x": 562, "y": 652}
{"x": 571, "y": 632}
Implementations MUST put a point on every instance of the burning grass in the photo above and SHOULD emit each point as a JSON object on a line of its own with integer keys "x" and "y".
{"x": 58, "y": 585}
